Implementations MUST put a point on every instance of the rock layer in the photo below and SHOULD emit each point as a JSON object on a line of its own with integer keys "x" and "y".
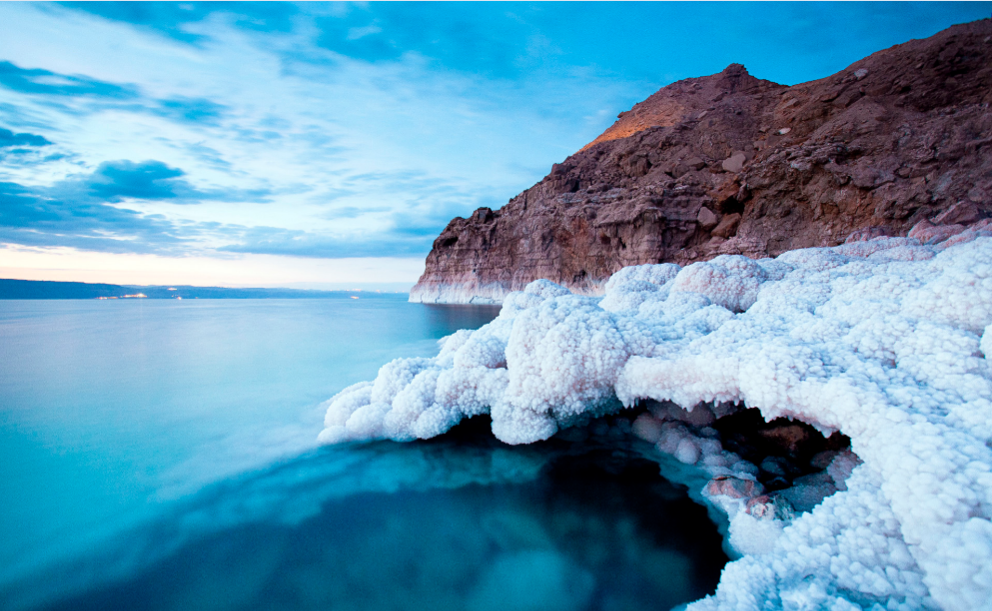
{"x": 732, "y": 164}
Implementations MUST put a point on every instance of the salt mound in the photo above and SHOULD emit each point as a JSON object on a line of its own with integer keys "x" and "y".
{"x": 883, "y": 340}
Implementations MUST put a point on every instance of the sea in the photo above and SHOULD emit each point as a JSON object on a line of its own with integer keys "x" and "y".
{"x": 161, "y": 454}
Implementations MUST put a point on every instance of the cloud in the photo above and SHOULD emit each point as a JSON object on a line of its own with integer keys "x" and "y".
{"x": 352, "y": 212}
{"x": 413, "y": 185}
{"x": 116, "y": 181}
{"x": 481, "y": 38}
{"x": 9, "y": 138}
{"x": 192, "y": 110}
{"x": 255, "y": 136}
{"x": 34, "y": 217}
{"x": 86, "y": 211}
{"x": 123, "y": 97}
{"x": 295, "y": 243}
{"x": 407, "y": 232}
{"x": 80, "y": 210}
{"x": 28, "y": 157}
{"x": 208, "y": 156}
{"x": 356, "y": 33}
{"x": 45, "y": 82}
{"x": 171, "y": 19}
{"x": 25, "y": 150}
{"x": 126, "y": 97}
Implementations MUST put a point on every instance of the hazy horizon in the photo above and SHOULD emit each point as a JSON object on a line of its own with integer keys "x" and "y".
{"x": 385, "y": 287}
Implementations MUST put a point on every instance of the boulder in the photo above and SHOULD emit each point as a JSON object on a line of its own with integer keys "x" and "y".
{"x": 728, "y": 226}
{"x": 706, "y": 218}
{"x": 735, "y": 162}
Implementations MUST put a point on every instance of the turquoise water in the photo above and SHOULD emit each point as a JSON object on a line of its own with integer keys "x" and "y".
{"x": 160, "y": 455}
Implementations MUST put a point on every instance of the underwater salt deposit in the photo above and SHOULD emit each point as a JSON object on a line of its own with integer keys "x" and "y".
{"x": 459, "y": 523}
{"x": 883, "y": 341}
{"x": 160, "y": 455}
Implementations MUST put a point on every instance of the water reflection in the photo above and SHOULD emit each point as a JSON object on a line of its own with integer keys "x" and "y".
{"x": 106, "y": 409}
{"x": 109, "y": 408}
{"x": 447, "y": 319}
{"x": 456, "y": 523}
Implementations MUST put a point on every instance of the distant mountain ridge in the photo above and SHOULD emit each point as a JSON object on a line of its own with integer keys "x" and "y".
{"x": 43, "y": 289}
{"x": 732, "y": 164}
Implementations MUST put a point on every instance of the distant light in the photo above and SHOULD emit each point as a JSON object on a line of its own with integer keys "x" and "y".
{"x": 354, "y": 296}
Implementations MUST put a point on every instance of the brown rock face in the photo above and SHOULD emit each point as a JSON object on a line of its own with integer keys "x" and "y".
{"x": 731, "y": 164}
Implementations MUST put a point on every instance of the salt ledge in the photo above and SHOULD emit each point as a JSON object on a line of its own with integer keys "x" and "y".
{"x": 883, "y": 340}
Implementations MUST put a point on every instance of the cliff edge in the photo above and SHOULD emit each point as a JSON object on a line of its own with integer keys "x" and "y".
{"x": 897, "y": 143}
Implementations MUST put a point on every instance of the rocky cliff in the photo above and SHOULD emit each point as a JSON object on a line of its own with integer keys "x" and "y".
{"x": 898, "y": 142}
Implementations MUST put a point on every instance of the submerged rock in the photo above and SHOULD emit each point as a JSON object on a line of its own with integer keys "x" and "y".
{"x": 723, "y": 485}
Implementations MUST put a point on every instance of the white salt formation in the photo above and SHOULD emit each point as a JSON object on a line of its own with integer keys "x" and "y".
{"x": 883, "y": 340}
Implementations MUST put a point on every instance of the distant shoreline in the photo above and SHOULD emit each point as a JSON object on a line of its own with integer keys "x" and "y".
{"x": 45, "y": 289}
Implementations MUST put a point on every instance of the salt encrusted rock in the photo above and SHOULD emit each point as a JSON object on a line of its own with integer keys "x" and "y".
{"x": 647, "y": 428}
{"x": 961, "y": 213}
{"x": 735, "y": 488}
{"x": 771, "y": 508}
{"x": 666, "y": 411}
{"x": 928, "y": 233}
{"x": 882, "y": 340}
{"x": 761, "y": 507}
{"x": 823, "y": 159}
{"x": 867, "y": 233}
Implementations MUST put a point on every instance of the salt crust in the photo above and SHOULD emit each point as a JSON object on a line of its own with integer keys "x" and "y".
{"x": 883, "y": 340}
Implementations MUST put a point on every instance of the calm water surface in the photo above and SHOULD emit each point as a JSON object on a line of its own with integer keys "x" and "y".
{"x": 160, "y": 455}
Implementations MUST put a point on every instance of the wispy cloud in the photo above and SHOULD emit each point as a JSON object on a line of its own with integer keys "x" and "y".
{"x": 117, "y": 181}
{"x": 295, "y": 243}
{"x": 45, "y": 82}
{"x": 478, "y": 38}
{"x": 173, "y": 18}
{"x": 9, "y": 139}
{"x": 194, "y": 110}
{"x": 95, "y": 211}
{"x": 35, "y": 217}
{"x": 352, "y": 212}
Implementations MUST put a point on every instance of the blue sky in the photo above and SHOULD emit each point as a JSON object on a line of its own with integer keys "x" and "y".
{"x": 327, "y": 144}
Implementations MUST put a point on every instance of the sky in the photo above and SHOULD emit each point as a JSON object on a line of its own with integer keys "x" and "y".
{"x": 326, "y": 145}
